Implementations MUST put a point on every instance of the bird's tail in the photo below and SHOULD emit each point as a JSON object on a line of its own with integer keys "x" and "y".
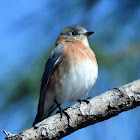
{"x": 39, "y": 117}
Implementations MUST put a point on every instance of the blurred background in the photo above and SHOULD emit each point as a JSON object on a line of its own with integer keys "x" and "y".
{"x": 28, "y": 31}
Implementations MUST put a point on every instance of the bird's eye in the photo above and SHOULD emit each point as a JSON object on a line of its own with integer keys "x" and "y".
{"x": 73, "y": 33}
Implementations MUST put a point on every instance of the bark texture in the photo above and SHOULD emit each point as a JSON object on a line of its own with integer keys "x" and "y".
{"x": 99, "y": 108}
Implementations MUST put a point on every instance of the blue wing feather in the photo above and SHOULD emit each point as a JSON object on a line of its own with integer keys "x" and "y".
{"x": 50, "y": 64}
{"x": 46, "y": 75}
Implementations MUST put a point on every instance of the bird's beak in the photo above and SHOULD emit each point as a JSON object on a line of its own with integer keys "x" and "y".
{"x": 88, "y": 33}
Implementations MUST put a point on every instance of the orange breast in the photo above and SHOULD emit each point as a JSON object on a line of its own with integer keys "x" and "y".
{"x": 73, "y": 53}
{"x": 77, "y": 51}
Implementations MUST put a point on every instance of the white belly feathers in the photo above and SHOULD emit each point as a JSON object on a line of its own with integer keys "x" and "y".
{"x": 78, "y": 81}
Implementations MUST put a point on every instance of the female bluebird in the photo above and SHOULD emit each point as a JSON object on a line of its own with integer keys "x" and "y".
{"x": 70, "y": 71}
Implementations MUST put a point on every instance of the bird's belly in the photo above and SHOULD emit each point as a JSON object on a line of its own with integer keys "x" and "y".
{"x": 77, "y": 81}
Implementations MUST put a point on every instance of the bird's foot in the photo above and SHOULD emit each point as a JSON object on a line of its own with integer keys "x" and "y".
{"x": 62, "y": 111}
{"x": 84, "y": 100}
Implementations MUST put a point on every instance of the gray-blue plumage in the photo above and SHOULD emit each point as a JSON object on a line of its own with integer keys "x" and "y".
{"x": 45, "y": 78}
{"x": 50, "y": 64}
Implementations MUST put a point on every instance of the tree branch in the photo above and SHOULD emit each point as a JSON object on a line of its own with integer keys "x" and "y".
{"x": 99, "y": 108}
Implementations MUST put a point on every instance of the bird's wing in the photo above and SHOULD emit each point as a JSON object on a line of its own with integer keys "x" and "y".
{"x": 50, "y": 64}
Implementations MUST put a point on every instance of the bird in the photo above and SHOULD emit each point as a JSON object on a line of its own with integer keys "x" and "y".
{"x": 70, "y": 71}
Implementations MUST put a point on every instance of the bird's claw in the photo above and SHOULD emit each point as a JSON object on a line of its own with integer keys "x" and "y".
{"x": 84, "y": 100}
{"x": 62, "y": 111}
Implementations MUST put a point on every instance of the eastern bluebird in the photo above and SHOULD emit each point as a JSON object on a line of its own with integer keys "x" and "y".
{"x": 70, "y": 71}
